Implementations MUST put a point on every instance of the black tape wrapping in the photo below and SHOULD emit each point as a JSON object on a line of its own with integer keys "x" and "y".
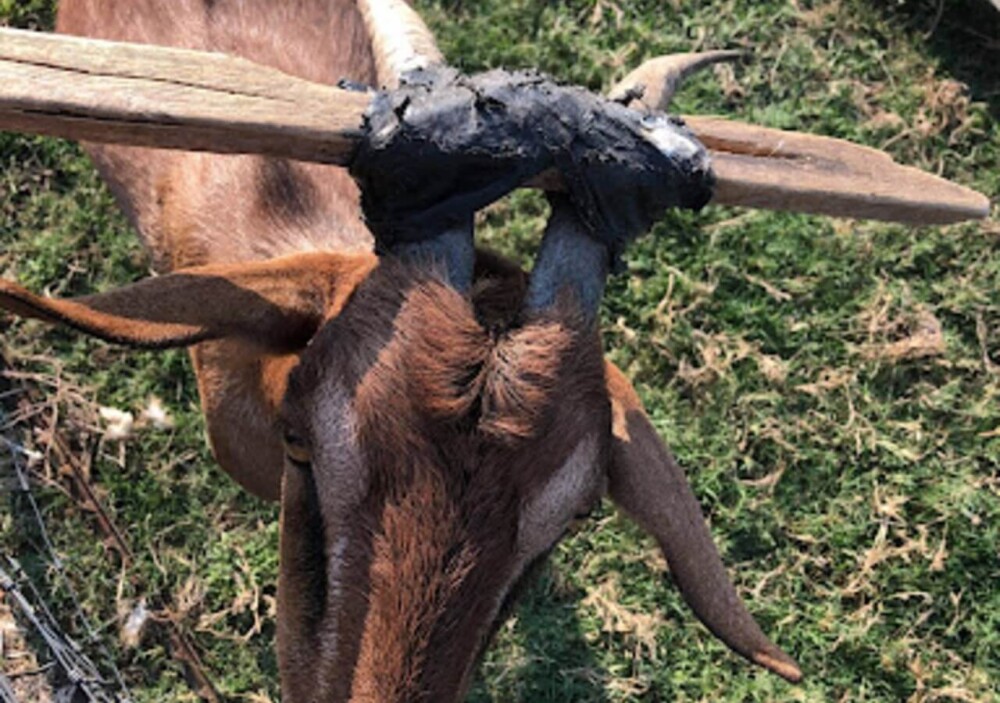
{"x": 445, "y": 145}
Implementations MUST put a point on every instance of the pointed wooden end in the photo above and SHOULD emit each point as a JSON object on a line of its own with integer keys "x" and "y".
{"x": 778, "y": 170}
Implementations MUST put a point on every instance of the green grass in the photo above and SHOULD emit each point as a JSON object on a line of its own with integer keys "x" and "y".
{"x": 853, "y": 488}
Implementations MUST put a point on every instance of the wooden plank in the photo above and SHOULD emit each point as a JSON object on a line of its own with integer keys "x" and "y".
{"x": 778, "y": 170}
{"x": 141, "y": 95}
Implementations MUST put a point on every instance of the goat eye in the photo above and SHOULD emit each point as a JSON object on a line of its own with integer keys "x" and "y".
{"x": 297, "y": 449}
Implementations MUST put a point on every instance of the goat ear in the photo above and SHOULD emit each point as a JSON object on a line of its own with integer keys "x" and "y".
{"x": 646, "y": 482}
{"x": 277, "y": 304}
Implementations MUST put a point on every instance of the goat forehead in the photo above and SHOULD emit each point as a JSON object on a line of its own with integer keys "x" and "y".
{"x": 412, "y": 348}
{"x": 407, "y": 379}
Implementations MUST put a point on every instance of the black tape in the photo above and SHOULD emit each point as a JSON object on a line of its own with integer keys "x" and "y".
{"x": 445, "y": 145}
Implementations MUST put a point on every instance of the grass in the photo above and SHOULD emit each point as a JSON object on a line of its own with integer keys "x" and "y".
{"x": 832, "y": 386}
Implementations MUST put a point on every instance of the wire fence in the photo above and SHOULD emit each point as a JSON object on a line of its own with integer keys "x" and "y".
{"x": 72, "y": 672}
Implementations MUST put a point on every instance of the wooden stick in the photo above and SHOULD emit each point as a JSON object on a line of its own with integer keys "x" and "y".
{"x": 140, "y": 95}
{"x": 778, "y": 170}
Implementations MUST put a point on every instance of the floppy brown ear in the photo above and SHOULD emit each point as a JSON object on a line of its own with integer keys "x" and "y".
{"x": 277, "y": 304}
{"x": 248, "y": 323}
{"x": 646, "y": 482}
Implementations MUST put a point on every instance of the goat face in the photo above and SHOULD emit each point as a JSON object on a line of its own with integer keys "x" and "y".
{"x": 434, "y": 451}
{"x": 437, "y": 444}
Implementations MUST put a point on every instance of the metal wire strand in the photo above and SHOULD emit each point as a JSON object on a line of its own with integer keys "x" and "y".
{"x": 85, "y": 681}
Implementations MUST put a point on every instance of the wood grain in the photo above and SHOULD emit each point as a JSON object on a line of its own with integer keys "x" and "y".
{"x": 779, "y": 170}
{"x": 140, "y": 95}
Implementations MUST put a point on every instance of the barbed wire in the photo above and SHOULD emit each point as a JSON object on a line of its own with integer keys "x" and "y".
{"x": 83, "y": 679}
{"x": 6, "y": 690}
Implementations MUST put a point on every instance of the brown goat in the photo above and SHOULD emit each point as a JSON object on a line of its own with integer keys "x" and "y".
{"x": 427, "y": 443}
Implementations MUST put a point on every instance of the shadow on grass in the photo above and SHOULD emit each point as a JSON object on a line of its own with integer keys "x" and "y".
{"x": 554, "y": 661}
{"x": 964, "y": 35}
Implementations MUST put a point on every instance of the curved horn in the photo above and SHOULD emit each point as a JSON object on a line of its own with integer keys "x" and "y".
{"x": 646, "y": 482}
{"x": 659, "y": 78}
{"x": 400, "y": 40}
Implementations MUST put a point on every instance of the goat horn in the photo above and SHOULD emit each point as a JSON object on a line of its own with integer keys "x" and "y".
{"x": 400, "y": 40}
{"x": 659, "y": 78}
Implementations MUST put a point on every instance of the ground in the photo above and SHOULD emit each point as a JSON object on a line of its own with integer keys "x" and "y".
{"x": 830, "y": 385}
